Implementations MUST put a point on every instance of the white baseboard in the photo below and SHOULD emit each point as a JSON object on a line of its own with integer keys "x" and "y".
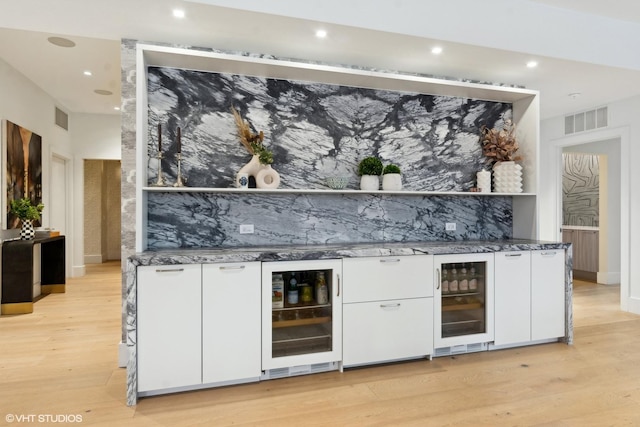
{"x": 93, "y": 259}
{"x": 78, "y": 271}
{"x": 123, "y": 355}
{"x": 608, "y": 277}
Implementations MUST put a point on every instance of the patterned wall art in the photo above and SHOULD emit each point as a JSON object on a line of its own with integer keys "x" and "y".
{"x": 24, "y": 169}
{"x": 581, "y": 189}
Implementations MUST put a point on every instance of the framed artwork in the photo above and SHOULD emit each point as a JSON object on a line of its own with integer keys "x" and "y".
{"x": 23, "y": 168}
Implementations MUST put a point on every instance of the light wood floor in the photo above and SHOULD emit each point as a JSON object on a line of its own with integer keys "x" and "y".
{"x": 62, "y": 360}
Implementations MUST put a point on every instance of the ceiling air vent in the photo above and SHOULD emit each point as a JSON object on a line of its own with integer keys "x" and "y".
{"x": 62, "y": 119}
{"x": 586, "y": 120}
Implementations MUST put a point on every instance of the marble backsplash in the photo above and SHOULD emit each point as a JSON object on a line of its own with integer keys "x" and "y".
{"x": 316, "y": 130}
{"x": 206, "y": 220}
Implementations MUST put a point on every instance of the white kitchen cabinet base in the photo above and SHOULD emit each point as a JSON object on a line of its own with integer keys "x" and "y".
{"x": 292, "y": 371}
{"x": 492, "y": 346}
{"x": 395, "y": 330}
{"x": 197, "y": 387}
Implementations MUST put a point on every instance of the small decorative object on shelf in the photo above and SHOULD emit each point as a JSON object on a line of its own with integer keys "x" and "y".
{"x": 27, "y": 213}
{"x": 500, "y": 146}
{"x": 179, "y": 179}
{"x": 160, "y": 181}
{"x": 337, "y": 182}
{"x": 370, "y": 169}
{"x": 391, "y": 178}
{"x": 260, "y": 164}
{"x": 483, "y": 179}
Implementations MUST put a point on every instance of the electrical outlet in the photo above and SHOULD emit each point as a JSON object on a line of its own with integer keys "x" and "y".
{"x": 450, "y": 226}
{"x": 246, "y": 228}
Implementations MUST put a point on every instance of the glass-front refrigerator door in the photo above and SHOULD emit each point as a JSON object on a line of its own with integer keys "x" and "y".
{"x": 301, "y": 313}
{"x": 463, "y": 299}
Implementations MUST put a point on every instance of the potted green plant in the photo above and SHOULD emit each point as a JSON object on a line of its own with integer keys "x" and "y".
{"x": 27, "y": 213}
{"x": 391, "y": 178}
{"x": 370, "y": 169}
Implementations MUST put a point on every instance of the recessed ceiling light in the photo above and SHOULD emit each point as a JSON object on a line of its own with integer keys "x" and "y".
{"x": 178, "y": 13}
{"x": 532, "y": 64}
{"x": 103, "y": 92}
{"x": 321, "y": 34}
{"x": 87, "y": 73}
{"x": 436, "y": 50}
{"x": 116, "y": 108}
{"x": 61, "y": 41}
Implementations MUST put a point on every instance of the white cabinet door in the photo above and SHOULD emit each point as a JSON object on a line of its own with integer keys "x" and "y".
{"x": 231, "y": 343}
{"x": 387, "y": 330}
{"x": 384, "y": 278}
{"x": 169, "y": 326}
{"x": 547, "y": 294}
{"x": 512, "y": 278}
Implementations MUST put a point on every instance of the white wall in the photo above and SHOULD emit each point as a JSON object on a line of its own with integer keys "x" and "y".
{"x": 94, "y": 136}
{"x": 25, "y": 104}
{"x": 89, "y": 136}
{"x": 623, "y": 125}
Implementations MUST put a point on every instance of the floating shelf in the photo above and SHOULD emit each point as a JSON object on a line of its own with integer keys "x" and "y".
{"x": 321, "y": 191}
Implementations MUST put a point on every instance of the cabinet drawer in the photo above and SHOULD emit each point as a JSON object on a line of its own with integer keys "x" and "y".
{"x": 386, "y": 278}
{"x": 387, "y": 330}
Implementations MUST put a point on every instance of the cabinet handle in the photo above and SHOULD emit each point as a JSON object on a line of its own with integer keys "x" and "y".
{"x": 390, "y": 305}
{"x": 552, "y": 253}
{"x": 169, "y": 270}
{"x": 512, "y": 255}
{"x": 438, "y": 281}
{"x": 232, "y": 267}
{"x": 390, "y": 260}
{"x": 338, "y": 285}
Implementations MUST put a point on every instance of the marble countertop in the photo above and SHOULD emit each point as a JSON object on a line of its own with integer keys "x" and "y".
{"x": 292, "y": 253}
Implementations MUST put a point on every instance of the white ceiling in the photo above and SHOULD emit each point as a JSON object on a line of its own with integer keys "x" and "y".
{"x": 583, "y": 46}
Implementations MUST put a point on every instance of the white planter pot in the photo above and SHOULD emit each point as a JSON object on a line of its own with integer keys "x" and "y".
{"x": 370, "y": 182}
{"x": 392, "y": 182}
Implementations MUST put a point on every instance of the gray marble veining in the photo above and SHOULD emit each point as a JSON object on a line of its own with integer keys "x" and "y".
{"x": 315, "y": 130}
{"x": 202, "y": 220}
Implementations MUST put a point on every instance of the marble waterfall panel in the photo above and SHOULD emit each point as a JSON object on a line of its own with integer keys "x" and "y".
{"x": 204, "y": 220}
{"x": 315, "y": 130}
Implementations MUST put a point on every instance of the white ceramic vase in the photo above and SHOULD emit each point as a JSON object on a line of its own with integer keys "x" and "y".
{"x": 392, "y": 182}
{"x": 265, "y": 175}
{"x": 370, "y": 182}
{"x": 507, "y": 177}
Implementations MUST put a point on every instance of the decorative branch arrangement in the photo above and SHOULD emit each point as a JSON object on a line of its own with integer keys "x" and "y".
{"x": 252, "y": 142}
{"x": 500, "y": 145}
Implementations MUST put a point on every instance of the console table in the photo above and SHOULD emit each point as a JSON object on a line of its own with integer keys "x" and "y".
{"x": 18, "y": 272}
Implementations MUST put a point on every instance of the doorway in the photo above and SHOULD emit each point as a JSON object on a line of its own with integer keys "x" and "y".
{"x": 613, "y": 249}
{"x": 102, "y": 220}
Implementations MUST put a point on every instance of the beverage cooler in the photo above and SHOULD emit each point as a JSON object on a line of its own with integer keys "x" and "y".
{"x": 301, "y": 317}
{"x": 463, "y": 302}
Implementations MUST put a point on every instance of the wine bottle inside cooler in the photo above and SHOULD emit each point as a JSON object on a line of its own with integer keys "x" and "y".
{"x": 445, "y": 280}
{"x": 463, "y": 279}
{"x": 453, "y": 280}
